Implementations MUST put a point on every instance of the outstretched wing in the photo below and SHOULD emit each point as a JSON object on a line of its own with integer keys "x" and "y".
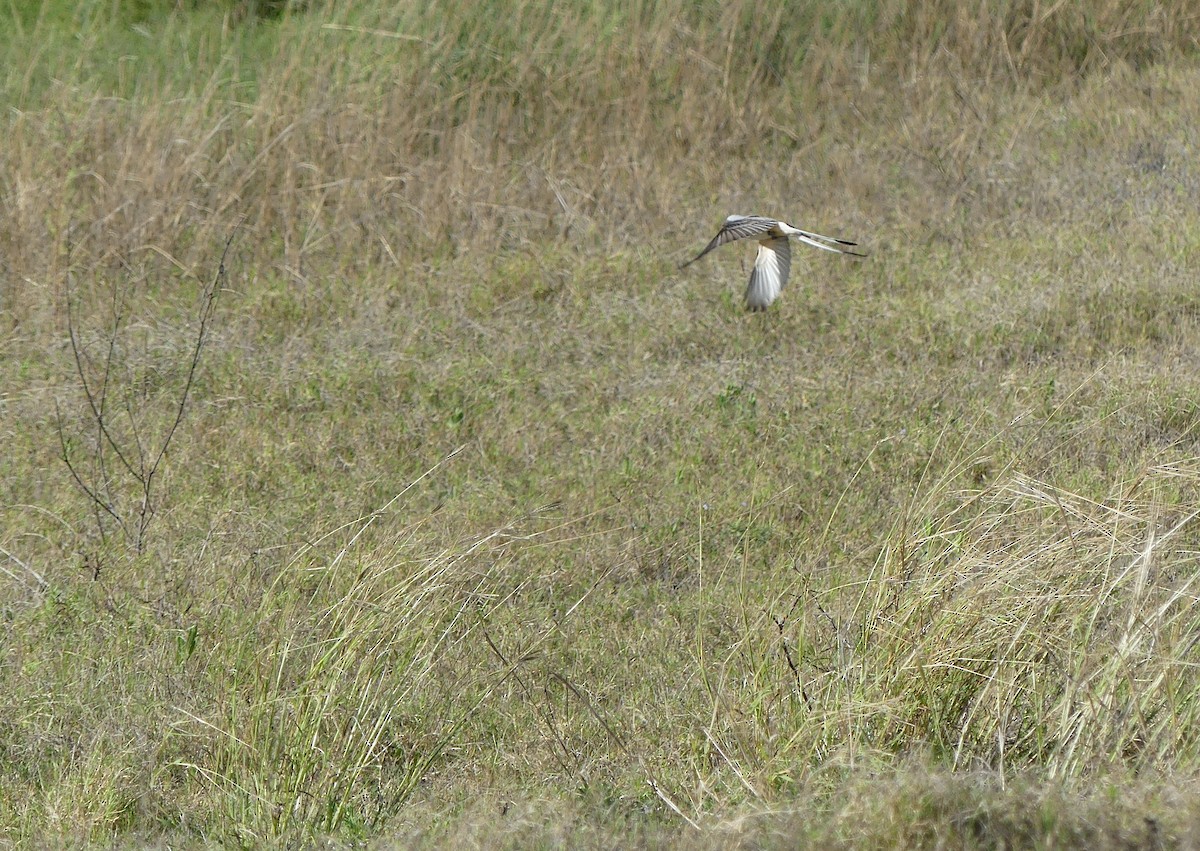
{"x": 770, "y": 273}
{"x": 737, "y": 227}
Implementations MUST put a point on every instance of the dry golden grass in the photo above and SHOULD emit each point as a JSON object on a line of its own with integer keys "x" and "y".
{"x": 351, "y": 141}
{"x": 483, "y": 525}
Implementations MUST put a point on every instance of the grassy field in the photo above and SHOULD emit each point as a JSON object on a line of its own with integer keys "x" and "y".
{"x": 371, "y": 473}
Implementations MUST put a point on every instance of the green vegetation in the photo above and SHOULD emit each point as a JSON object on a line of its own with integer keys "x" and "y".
{"x": 449, "y": 512}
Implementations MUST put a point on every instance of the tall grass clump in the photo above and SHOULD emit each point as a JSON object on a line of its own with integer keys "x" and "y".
{"x": 359, "y": 670}
{"x": 1017, "y": 627}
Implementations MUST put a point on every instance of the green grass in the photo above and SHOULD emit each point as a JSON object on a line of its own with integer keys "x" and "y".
{"x": 484, "y": 525}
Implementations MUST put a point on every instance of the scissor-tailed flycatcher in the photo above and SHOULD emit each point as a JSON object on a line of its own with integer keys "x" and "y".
{"x": 774, "y": 259}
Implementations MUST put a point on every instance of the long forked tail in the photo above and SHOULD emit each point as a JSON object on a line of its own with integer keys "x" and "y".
{"x": 829, "y": 243}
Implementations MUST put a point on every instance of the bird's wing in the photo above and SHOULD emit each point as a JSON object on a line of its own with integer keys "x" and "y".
{"x": 736, "y": 227}
{"x": 770, "y": 273}
{"x": 829, "y": 243}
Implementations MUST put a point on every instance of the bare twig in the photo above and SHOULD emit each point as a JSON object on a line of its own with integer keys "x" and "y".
{"x": 137, "y": 463}
{"x": 209, "y": 299}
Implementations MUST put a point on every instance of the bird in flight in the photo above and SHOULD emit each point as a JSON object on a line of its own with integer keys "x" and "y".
{"x": 774, "y": 259}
